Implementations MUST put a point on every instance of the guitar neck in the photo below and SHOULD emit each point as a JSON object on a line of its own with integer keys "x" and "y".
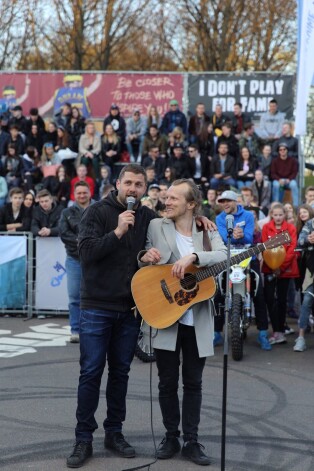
{"x": 207, "y": 272}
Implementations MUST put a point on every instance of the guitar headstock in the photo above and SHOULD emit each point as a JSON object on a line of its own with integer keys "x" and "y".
{"x": 279, "y": 239}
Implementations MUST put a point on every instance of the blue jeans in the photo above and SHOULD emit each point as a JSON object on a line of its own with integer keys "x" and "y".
{"x": 216, "y": 182}
{"x": 104, "y": 335}
{"x": 278, "y": 191}
{"x": 306, "y": 307}
{"x": 73, "y": 269}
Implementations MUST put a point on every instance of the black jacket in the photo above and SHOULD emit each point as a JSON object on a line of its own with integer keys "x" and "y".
{"x": 24, "y": 217}
{"x": 69, "y": 229}
{"x": 229, "y": 166}
{"x": 108, "y": 263}
{"x": 184, "y": 167}
{"x": 50, "y": 220}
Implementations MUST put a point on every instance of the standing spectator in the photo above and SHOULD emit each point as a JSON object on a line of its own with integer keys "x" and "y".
{"x": 154, "y": 138}
{"x": 81, "y": 176}
{"x": 174, "y": 118}
{"x": 261, "y": 190}
{"x": 228, "y": 138}
{"x": 90, "y": 148}
{"x": 218, "y": 119}
{"x": 117, "y": 122}
{"x": 68, "y": 230}
{"x": 283, "y": 172}
{"x": 35, "y": 118}
{"x": 14, "y": 216}
{"x": 277, "y": 281}
{"x": 238, "y": 120}
{"x": 3, "y": 191}
{"x": 135, "y": 132}
{"x": 309, "y": 195}
{"x": 153, "y": 117}
{"x": 271, "y": 123}
{"x": 110, "y": 146}
{"x": 291, "y": 216}
{"x": 18, "y": 119}
{"x": 197, "y": 122}
{"x": 305, "y": 213}
{"x": 46, "y": 216}
{"x": 246, "y": 166}
{"x": 287, "y": 138}
{"x": 250, "y": 139}
{"x": 222, "y": 168}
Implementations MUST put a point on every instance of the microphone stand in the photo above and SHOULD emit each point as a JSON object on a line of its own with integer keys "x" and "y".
{"x": 225, "y": 360}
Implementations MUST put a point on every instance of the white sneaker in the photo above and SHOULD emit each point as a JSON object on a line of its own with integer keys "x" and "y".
{"x": 300, "y": 345}
{"x": 277, "y": 337}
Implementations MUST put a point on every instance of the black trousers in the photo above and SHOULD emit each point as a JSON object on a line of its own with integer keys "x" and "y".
{"x": 168, "y": 364}
{"x": 276, "y": 292}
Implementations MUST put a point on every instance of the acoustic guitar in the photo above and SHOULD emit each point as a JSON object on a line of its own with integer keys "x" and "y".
{"x": 162, "y": 299}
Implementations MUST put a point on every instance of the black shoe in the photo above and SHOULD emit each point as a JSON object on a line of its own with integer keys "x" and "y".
{"x": 115, "y": 441}
{"x": 82, "y": 451}
{"x": 193, "y": 451}
{"x": 168, "y": 447}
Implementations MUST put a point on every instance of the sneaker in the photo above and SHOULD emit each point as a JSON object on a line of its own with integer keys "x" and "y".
{"x": 300, "y": 345}
{"x": 75, "y": 338}
{"x": 288, "y": 330}
{"x": 218, "y": 339}
{"x": 193, "y": 451}
{"x": 81, "y": 452}
{"x": 263, "y": 340}
{"x": 115, "y": 441}
{"x": 277, "y": 337}
{"x": 168, "y": 447}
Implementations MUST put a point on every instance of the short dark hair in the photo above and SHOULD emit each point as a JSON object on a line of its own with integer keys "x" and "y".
{"x": 133, "y": 168}
{"x": 193, "y": 146}
{"x": 238, "y": 104}
{"x": 274, "y": 101}
{"x": 248, "y": 126}
{"x": 33, "y": 111}
{"x": 153, "y": 126}
{"x": 81, "y": 183}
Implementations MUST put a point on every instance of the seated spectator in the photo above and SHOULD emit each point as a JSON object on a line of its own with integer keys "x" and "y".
{"x": 51, "y": 134}
{"x": 62, "y": 149}
{"x": 222, "y": 168}
{"x": 155, "y": 160}
{"x": 287, "y": 138}
{"x": 3, "y": 191}
{"x": 200, "y": 167}
{"x": 246, "y": 166}
{"x": 238, "y": 120}
{"x": 169, "y": 175}
{"x": 154, "y": 138}
{"x": 75, "y": 128}
{"x": 182, "y": 165}
{"x": 135, "y": 132}
{"x": 228, "y": 138}
{"x": 153, "y": 193}
{"x": 271, "y": 123}
{"x": 147, "y": 201}
{"x": 35, "y": 118}
{"x": 4, "y": 142}
{"x": 12, "y": 167}
{"x": 283, "y": 173}
{"x": 218, "y": 119}
{"x": 31, "y": 173}
{"x": 153, "y": 117}
{"x": 110, "y": 147}
{"x": 176, "y": 137}
{"x": 62, "y": 118}
{"x": 50, "y": 161}
{"x": 163, "y": 187}
{"x": 174, "y": 118}
{"x": 210, "y": 205}
{"x": 18, "y": 119}
{"x": 206, "y": 142}
{"x": 29, "y": 199}
{"x": 16, "y": 139}
{"x": 90, "y": 148}
{"x": 309, "y": 195}
{"x": 46, "y": 216}
{"x": 250, "y": 139}
{"x": 248, "y": 200}
{"x": 81, "y": 172}
{"x": 150, "y": 175}
{"x": 14, "y": 216}
{"x": 58, "y": 186}
{"x": 197, "y": 122}
{"x": 265, "y": 160}
{"x": 261, "y": 190}
{"x": 35, "y": 139}
{"x": 117, "y": 122}
{"x": 105, "y": 179}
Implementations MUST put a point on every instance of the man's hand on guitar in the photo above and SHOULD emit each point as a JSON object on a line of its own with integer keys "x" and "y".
{"x": 151, "y": 256}
{"x": 179, "y": 267}
{"x": 202, "y": 221}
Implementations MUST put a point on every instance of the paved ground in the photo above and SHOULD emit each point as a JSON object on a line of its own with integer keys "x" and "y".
{"x": 270, "y": 405}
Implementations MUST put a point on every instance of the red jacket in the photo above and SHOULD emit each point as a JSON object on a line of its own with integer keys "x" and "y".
{"x": 289, "y": 268}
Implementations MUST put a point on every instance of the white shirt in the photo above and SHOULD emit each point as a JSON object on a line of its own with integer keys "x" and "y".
{"x": 186, "y": 247}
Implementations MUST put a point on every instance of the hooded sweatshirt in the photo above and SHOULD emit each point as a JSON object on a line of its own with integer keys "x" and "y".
{"x": 108, "y": 263}
{"x": 242, "y": 218}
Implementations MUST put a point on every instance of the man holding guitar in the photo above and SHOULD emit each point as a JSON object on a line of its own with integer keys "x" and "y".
{"x": 176, "y": 240}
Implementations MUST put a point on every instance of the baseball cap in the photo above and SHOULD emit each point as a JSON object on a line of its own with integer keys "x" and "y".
{"x": 173, "y": 102}
{"x": 228, "y": 195}
{"x": 177, "y": 145}
{"x": 17, "y": 108}
{"x": 154, "y": 185}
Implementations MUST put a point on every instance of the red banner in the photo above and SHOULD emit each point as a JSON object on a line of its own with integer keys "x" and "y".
{"x": 92, "y": 93}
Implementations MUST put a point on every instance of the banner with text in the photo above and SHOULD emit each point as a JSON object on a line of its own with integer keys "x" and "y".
{"x": 92, "y": 93}
{"x": 12, "y": 272}
{"x": 51, "y": 277}
{"x": 253, "y": 90}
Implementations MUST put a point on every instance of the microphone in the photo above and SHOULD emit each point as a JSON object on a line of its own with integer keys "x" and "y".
{"x": 130, "y": 202}
{"x": 229, "y": 223}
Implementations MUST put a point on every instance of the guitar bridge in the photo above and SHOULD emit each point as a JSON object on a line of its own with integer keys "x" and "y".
{"x": 166, "y": 291}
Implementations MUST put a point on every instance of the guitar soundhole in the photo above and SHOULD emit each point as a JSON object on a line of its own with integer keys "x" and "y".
{"x": 189, "y": 282}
